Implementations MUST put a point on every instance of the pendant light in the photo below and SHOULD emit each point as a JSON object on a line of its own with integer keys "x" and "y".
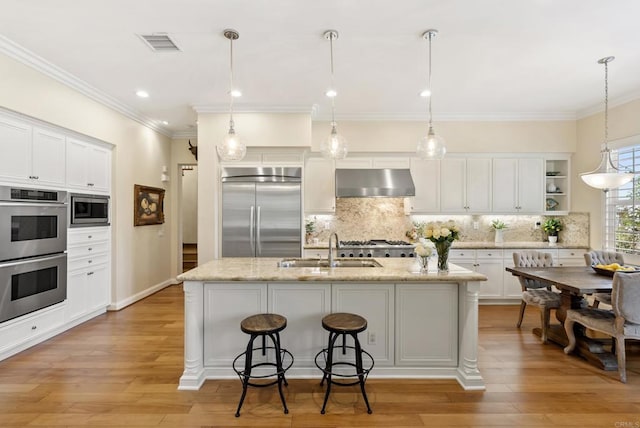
{"x": 607, "y": 175}
{"x": 335, "y": 146}
{"x": 431, "y": 146}
{"x": 232, "y": 148}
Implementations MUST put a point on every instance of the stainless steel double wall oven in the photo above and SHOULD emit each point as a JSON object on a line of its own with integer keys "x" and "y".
{"x": 33, "y": 244}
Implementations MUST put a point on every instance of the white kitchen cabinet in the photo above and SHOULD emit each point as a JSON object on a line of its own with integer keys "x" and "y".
{"x": 426, "y": 178}
{"x": 20, "y": 333}
{"x": 489, "y": 263}
{"x": 571, "y": 257}
{"x": 88, "y": 166}
{"x": 89, "y": 273}
{"x": 304, "y": 309}
{"x": 465, "y": 185}
{"x": 517, "y": 185}
{"x": 426, "y": 325}
{"x": 319, "y": 186}
{"x": 557, "y": 189}
{"x": 31, "y": 155}
{"x": 374, "y": 302}
{"x": 225, "y": 306}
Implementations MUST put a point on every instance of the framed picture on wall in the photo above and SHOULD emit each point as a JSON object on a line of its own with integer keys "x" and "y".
{"x": 148, "y": 205}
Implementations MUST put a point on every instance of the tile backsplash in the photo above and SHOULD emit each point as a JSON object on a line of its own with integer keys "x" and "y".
{"x": 384, "y": 218}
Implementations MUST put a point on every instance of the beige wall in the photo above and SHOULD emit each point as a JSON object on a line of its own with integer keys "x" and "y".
{"x": 141, "y": 255}
{"x": 461, "y": 137}
{"x": 624, "y": 121}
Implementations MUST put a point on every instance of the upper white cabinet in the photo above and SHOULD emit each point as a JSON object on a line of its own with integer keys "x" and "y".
{"x": 319, "y": 186}
{"x": 517, "y": 185}
{"x": 465, "y": 185}
{"x": 88, "y": 166}
{"x": 556, "y": 189}
{"x": 31, "y": 155}
{"x": 426, "y": 177}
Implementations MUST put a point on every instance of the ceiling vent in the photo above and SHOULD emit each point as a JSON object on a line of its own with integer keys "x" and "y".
{"x": 160, "y": 42}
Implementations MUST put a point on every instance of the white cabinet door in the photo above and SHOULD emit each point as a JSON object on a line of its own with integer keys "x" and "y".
{"x": 374, "y": 302}
{"x": 426, "y": 177}
{"x": 319, "y": 186}
{"x": 453, "y": 198}
{"x": 478, "y": 185}
{"x": 88, "y": 166}
{"x": 76, "y": 295}
{"x": 99, "y": 174}
{"x": 225, "y": 306}
{"x": 99, "y": 287}
{"x": 530, "y": 186}
{"x": 518, "y": 185}
{"x": 493, "y": 270}
{"x": 15, "y": 150}
{"x": 427, "y": 325}
{"x": 49, "y": 159}
{"x": 304, "y": 307}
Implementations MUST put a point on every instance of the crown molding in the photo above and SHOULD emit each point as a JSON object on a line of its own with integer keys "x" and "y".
{"x": 192, "y": 133}
{"x": 590, "y": 111}
{"x": 36, "y": 62}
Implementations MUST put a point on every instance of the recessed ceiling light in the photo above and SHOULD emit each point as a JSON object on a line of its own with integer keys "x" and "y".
{"x": 426, "y": 93}
{"x": 164, "y": 122}
{"x": 142, "y": 94}
{"x": 331, "y": 93}
{"x": 236, "y": 93}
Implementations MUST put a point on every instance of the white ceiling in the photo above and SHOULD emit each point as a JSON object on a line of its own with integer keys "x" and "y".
{"x": 493, "y": 59}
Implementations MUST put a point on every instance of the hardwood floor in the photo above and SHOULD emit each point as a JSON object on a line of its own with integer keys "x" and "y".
{"x": 121, "y": 370}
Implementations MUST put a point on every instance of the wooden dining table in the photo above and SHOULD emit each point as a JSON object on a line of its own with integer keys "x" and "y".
{"x": 574, "y": 282}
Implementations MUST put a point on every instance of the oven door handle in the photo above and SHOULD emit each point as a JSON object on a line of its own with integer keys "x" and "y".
{"x": 33, "y": 260}
{"x": 33, "y": 204}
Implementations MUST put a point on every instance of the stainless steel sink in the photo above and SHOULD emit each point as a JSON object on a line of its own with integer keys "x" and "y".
{"x": 324, "y": 263}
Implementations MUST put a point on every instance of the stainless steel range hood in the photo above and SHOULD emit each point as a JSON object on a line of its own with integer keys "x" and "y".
{"x": 365, "y": 183}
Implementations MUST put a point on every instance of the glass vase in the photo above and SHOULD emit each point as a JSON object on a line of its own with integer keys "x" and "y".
{"x": 424, "y": 263}
{"x": 442, "y": 248}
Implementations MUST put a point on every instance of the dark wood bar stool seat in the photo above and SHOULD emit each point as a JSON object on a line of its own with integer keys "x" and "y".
{"x": 263, "y": 325}
{"x": 343, "y": 324}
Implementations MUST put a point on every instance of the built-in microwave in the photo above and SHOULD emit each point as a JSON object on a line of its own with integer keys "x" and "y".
{"x": 89, "y": 210}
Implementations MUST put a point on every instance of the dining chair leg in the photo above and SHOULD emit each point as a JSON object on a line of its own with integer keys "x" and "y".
{"x": 596, "y": 303}
{"x": 622, "y": 369}
{"x": 568, "y": 328}
{"x": 523, "y": 305}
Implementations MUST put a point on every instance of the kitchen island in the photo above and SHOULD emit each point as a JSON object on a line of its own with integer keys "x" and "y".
{"x": 420, "y": 325}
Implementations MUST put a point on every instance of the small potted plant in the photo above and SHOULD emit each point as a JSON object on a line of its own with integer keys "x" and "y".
{"x": 552, "y": 226}
{"x": 309, "y": 228}
{"x": 499, "y": 226}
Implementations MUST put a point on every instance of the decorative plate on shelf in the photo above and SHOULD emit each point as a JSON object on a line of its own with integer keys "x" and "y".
{"x": 552, "y": 204}
{"x": 552, "y": 173}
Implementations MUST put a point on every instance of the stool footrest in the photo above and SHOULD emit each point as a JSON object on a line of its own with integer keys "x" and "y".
{"x": 287, "y": 362}
{"x": 329, "y": 371}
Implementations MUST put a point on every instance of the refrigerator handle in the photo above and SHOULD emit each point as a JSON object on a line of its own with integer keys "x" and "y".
{"x": 258, "y": 233}
{"x": 252, "y": 227}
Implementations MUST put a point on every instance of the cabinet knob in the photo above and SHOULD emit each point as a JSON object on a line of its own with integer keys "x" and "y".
{"x": 90, "y": 184}
{"x": 89, "y": 261}
{"x": 34, "y": 327}
{"x": 89, "y": 273}
{"x": 89, "y": 248}
{"x": 89, "y": 237}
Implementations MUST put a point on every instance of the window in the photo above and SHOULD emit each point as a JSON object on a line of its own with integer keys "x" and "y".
{"x": 622, "y": 206}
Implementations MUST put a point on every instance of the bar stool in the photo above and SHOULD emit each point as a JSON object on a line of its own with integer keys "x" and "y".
{"x": 343, "y": 324}
{"x": 263, "y": 325}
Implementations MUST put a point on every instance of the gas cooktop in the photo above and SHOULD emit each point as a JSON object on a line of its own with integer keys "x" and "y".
{"x": 375, "y": 248}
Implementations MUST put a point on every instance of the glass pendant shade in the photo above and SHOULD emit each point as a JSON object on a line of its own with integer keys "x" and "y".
{"x": 335, "y": 146}
{"x": 232, "y": 147}
{"x": 432, "y": 146}
{"x": 606, "y": 176}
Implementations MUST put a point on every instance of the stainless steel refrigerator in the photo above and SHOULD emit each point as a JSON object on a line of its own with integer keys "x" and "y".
{"x": 261, "y": 212}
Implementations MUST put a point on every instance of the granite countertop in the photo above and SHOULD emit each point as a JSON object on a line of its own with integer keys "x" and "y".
{"x": 266, "y": 269}
{"x": 481, "y": 245}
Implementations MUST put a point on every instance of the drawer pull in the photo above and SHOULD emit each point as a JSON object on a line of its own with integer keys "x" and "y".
{"x": 33, "y": 327}
{"x": 89, "y": 273}
{"x": 89, "y": 248}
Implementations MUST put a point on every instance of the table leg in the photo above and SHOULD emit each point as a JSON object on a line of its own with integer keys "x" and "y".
{"x": 592, "y": 350}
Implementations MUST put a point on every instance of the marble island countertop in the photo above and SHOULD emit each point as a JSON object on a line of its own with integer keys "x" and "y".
{"x": 266, "y": 269}
{"x": 482, "y": 245}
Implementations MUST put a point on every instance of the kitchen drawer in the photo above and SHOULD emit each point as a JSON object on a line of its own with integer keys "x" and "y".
{"x": 577, "y": 253}
{"x": 460, "y": 254}
{"x": 88, "y": 249}
{"x": 489, "y": 254}
{"x": 19, "y": 330}
{"x": 84, "y": 262}
{"x": 89, "y": 234}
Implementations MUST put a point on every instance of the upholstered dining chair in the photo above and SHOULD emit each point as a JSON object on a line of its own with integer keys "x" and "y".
{"x": 621, "y": 323}
{"x": 535, "y": 292}
{"x": 603, "y": 258}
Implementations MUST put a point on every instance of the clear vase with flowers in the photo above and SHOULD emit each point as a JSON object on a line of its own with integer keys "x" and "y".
{"x": 442, "y": 234}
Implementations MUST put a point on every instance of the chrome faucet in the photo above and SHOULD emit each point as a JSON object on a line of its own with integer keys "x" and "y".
{"x": 331, "y": 262}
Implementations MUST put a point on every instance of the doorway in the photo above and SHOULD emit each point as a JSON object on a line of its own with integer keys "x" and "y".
{"x": 189, "y": 216}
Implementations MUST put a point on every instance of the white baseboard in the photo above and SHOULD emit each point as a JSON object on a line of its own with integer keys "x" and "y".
{"x": 141, "y": 295}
